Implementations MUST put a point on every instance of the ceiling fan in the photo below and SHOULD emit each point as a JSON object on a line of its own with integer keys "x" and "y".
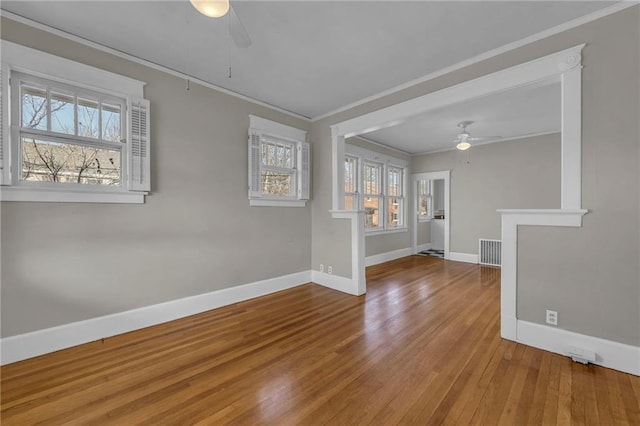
{"x": 218, "y": 9}
{"x": 463, "y": 139}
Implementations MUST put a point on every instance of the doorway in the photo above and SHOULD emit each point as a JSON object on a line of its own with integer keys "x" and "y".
{"x": 431, "y": 218}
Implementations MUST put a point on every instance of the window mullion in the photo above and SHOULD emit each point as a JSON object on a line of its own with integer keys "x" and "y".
{"x": 69, "y": 139}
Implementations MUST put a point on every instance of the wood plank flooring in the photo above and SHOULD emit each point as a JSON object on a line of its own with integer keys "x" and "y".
{"x": 422, "y": 347}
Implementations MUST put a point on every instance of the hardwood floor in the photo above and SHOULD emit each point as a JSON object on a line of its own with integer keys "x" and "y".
{"x": 422, "y": 347}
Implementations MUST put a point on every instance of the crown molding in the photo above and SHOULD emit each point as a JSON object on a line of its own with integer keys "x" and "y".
{"x": 141, "y": 61}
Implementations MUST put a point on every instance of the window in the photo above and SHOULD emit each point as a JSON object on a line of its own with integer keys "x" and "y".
{"x": 278, "y": 174}
{"x": 67, "y": 137}
{"x": 279, "y": 164}
{"x": 381, "y": 181}
{"x": 424, "y": 200}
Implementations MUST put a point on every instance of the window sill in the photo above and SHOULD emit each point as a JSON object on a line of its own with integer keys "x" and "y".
{"x": 277, "y": 203}
{"x": 386, "y": 231}
{"x": 12, "y": 193}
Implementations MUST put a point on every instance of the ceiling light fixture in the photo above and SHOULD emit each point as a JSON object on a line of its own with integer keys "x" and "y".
{"x": 463, "y": 146}
{"x": 212, "y": 9}
{"x": 464, "y": 141}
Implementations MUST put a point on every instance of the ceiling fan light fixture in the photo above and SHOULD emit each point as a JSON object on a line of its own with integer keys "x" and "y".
{"x": 463, "y": 146}
{"x": 212, "y": 9}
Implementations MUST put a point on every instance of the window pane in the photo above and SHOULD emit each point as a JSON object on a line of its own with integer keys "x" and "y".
{"x": 88, "y": 118}
{"x": 372, "y": 178}
{"x": 46, "y": 161}
{"x": 111, "y": 122}
{"x": 34, "y": 108}
{"x": 278, "y": 155}
{"x": 371, "y": 212}
{"x": 269, "y": 154}
{"x": 62, "y": 114}
{"x": 423, "y": 187}
{"x": 423, "y": 205}
{"x": 278, "y": 184}
{"x": 394, "y": 212}
{"x": 395, "y": 181}
{"x": 350, "y": 184}
{"x": 288, "y": 157}
{"x": 351, "y": 202}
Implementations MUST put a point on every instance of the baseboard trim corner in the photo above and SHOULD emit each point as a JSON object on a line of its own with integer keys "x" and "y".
{"x": 386, "y": 257}
{"x": 610, "y": 354}
{"x": 40, "y": 342}
{"x": 423, "y": 247}
{"x": 463, "y": 257}
{"x": 334, "y": 282}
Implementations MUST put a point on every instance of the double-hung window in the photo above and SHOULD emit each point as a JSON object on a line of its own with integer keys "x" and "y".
{"x": 67, "y": 135}
{"x": 395, "y": 197}
{"x": 376, "y": 184}
{"x": 279, "y": 164}
{"x": 70, "y": 133}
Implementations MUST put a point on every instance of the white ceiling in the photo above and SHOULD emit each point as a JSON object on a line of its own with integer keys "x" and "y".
{"x": 515, "y": 113}
{"x": 308, "y": 57}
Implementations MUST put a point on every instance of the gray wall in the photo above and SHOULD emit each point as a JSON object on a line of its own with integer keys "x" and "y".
{"x": 595, "y": 290}
{"x": 383, "y": 243}
{"x": 519, "y": 174}
{"x": 424, "y": 233}
{"x": 331, "y": 238}
{"x": 196, "y": 233}
{"x": 590, "y": 275}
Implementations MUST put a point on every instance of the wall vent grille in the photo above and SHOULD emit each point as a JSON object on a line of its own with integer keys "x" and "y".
{"x": 490, "y": 252}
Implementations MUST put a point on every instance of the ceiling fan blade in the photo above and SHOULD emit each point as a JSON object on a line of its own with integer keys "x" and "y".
{"x": 236, "y": 29}
{"x": 484, "y": 138}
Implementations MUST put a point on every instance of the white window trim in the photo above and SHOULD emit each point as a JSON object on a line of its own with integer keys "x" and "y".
{"x": 270, "y": 202}
{"x": 32, "y": 62}
{"x": 285, "y": 133}
{"x": 363, "y": 155}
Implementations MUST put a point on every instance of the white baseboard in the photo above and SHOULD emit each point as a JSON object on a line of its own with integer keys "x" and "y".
{"x": 385, "y": 257}
{"x": 463, "y": 257}
{"x": 423, "y": 247}
{"x": 617, "y": 356}
{"x": 335, "y": 282}
{"x": 28, "y": 345}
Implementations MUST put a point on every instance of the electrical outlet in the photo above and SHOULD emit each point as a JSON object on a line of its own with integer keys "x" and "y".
{"x": 321, "y": 267}
{"x": 330, "y": 269}
{"x": 552, "y": 317}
